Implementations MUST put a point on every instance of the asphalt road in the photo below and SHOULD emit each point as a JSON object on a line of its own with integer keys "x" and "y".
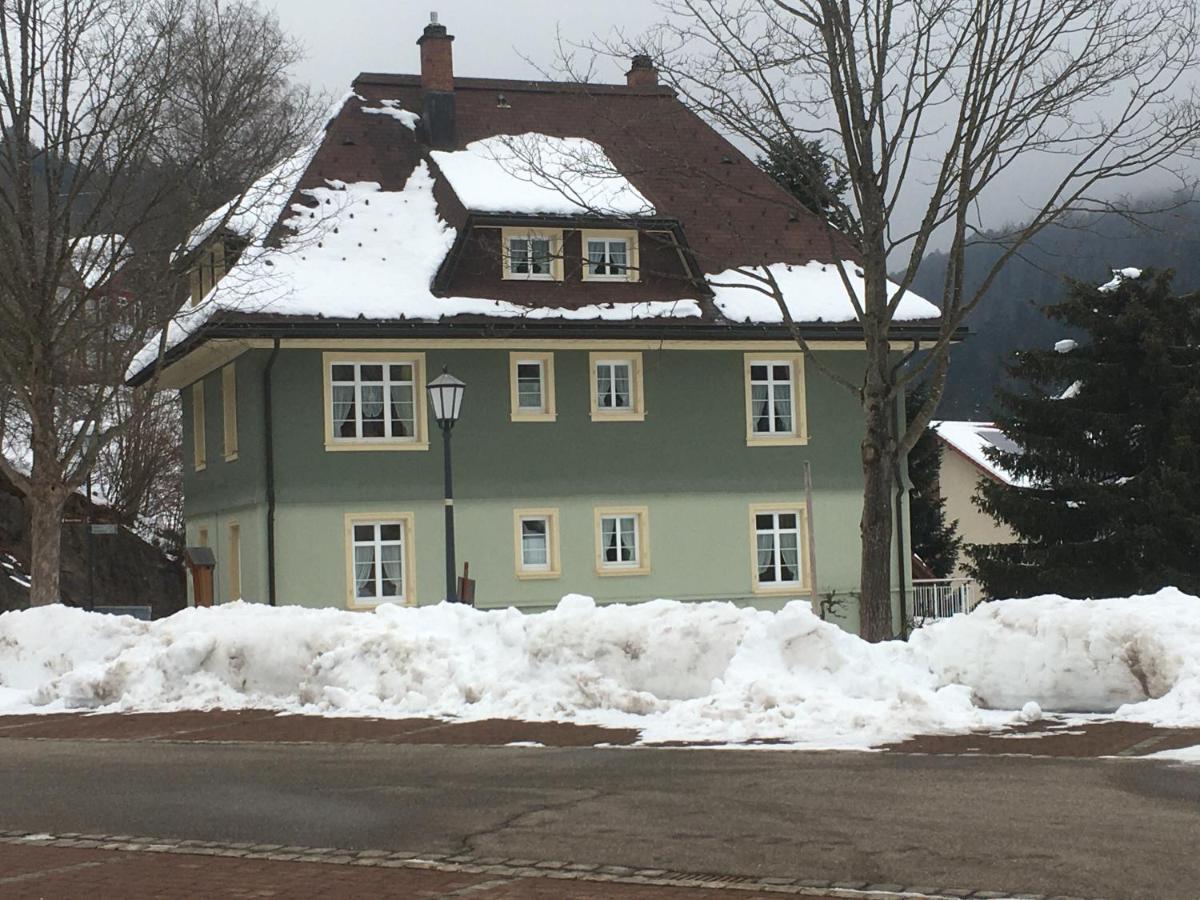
{"x": 1110, "y": 828}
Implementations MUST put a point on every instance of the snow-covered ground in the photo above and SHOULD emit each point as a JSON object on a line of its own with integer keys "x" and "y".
{"x": 711, "y": 671}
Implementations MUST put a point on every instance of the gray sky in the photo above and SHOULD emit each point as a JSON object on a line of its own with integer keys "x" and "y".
{"x": 490, "y": 36}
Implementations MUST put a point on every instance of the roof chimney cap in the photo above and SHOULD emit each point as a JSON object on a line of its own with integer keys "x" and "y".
{"x": 434, "y": 29}
{"x": 642, "y": 73}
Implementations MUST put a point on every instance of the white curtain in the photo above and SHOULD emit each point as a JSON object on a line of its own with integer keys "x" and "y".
{"x": 364, "y": 571}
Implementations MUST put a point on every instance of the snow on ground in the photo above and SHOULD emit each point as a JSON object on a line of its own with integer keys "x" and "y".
{"x": 1185, "y": 755}
{"x": 696, "y": 672}
{"x": 814, "y": 292}
{"x": 535, "y": 173}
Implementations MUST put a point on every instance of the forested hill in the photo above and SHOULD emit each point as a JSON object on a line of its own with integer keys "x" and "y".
{"x": 1009, "y": 318}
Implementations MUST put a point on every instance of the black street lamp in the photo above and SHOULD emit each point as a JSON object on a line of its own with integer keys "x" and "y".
{"x": 446, "y": 396}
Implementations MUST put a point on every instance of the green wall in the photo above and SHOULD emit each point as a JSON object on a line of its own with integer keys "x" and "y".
{"x": 687, "y": 462}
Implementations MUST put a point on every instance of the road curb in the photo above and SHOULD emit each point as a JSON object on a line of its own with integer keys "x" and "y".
{"x": 514, "y": 868}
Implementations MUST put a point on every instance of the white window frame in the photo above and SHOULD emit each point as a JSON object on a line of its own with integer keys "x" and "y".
{"x": 553, "y": 567}
{"x": 798, "y": 435}
{"x": 417, "y": 441}
{"x": 641, "y": 563}
{"x": 630, "y": 238}
{"x": 636, "y": 412}
{"x": 553, "y": 236}
{"x": 547, "y": 412}
{"x": 199, "y": 436}
{"x": 407, "y": 555}
{"x": 775, "y": 510}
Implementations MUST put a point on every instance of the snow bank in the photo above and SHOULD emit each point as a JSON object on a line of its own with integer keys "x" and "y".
{"x": 697, "y": 672}
{"x": 1138, "y": 657}
{"x": 677, "y": 671}
{"x": 814, "y": 292}
{"x": 536, "y": 173}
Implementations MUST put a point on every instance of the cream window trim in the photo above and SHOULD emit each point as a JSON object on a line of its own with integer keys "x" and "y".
{"x": 548, "y": 411}
{"x": 637, "y": 411}
{"x": 555, "y": 238}
{"x": 420, "y": 441}
{"x": 554, "y": 567}
{"x": 633, "y": 261}
{"x": 199, "y": 439}
{"x": 229, "y": 411}
{"x": 790, "y": 588}
{"x": 405, "y": 520}
{"x": 233, "y": 568}
{"x": 642, "y": 516}
{"x": 798, "y": 436}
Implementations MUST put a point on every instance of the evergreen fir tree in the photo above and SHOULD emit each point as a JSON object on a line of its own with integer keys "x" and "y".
{"x": 806, "y": 170}
{"x": 934, "y": 540}
{"x": 1112, "y": 463}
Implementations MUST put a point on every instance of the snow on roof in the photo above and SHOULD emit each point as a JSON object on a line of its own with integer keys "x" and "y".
{"x": 254, "y": 213}
{"x": 814, "y": 292}
{"x": 1119, "y": 275}
{"x": 971, "y": 439}
{"x": 362, "y": 251}
{"x": 98, "y": 257}
{"x": 392, "y": 108}
{"x": 535, "y": 173}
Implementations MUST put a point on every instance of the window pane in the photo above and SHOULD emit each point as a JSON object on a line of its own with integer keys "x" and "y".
{"x": 787, "y": 520}
{"x": 783, "y": 407}
{"x": 390, "y": 532}
{"x": 343, "y": 373}
{"x": 529, "y": 385}
{"x": 758, "y": 373}
{"x": 789, "y": 568}
{"x": 617, "y": 257}
{"x": 364, "y": 533}
{"x": 392, "y": 565}
{"x": 371, "y": 373}
{"x": 401, "y": 373}
{"x": 608, "y": 539}
{"x": 764, "y": 521}
{"x": 604, "y": 397}
{"x": 518, "y": 255}
{"x": 364, "y": 570}
{"x": 765, "y": 545}
{"x": 540, "y": 263}
{"x": 343, "y": 411}
{"x": 403, "y": 411}
{"x": 622, "y": 398}
{"x": 534, "y": 543}
{"x": 760, "y": 412}
{"x": 595, "y": 252}
{"x": 782, "y": 372}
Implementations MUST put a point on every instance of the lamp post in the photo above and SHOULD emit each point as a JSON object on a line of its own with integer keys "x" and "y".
{"x": 446, "y": 396}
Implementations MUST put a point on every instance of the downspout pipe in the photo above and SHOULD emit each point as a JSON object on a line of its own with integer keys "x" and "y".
{"x": 902, "y": 486}
{"x": 269, "y": 453}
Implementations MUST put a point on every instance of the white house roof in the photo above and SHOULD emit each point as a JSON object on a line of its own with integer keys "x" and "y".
{"x": 971, "y": 439}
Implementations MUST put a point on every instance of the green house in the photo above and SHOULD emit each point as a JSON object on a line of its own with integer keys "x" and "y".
{"x": 590, "y": 260}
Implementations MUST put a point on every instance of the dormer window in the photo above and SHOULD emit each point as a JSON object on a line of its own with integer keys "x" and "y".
{"x": 610, "y": 256}
{"x": 532, "y": 255}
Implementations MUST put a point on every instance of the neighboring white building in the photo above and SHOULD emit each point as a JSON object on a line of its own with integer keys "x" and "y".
{"x": 964, "y": 464}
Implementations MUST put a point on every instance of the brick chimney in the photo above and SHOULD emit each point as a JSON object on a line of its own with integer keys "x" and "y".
{"x": 437, "y": 84}
{"x": 642, "y": 73}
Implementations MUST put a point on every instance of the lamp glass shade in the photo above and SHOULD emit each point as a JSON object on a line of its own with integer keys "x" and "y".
{"x": 446, "y": 396}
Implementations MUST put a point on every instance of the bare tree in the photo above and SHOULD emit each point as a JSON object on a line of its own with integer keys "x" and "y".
{"x": 121, "y": 123}
{"x": 933, "y": 105}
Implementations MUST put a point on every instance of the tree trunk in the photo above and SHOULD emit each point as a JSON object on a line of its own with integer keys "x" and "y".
{"x": 878, "y": 448}
{"x": 45, "y": 523}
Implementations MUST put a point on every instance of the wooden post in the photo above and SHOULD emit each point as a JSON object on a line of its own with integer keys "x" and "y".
{"x": 200, "y": 562}
{"x": 811, "y": 541}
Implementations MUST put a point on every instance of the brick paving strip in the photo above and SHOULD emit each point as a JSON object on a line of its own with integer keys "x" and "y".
{"x": 67, "y": 865}
{"x": 1052, "y": 737}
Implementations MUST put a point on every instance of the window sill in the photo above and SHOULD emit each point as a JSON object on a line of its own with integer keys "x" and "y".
{"x": 538, "y": 576}
{"x": 605, "y": 572}
{"x": 789, "y": 440}
{"x": 610, "y": 279}
{"x": 796, "y": 589}
{"x": 534, "y": 417}
{"x": 231, "y": 457}
{"x": 200, "y": 467}
{"x": 520, "y": 277}
{"x": 375, "y": 604}
{"x": 631, "y": 415}
{"x": 340, "y": 446}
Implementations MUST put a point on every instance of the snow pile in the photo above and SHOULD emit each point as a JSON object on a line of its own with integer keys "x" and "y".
{"x": 1119, "y": 275}
{"x": 392, "y": 108}
{"x": 536, "y": 173}
{"x": 814, "y": 292}
{"x": 362, "y": 251}
{"x": 677, "y": 671}
{"x": 1137, "y": 656}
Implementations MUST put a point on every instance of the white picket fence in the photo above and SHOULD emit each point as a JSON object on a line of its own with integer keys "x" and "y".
{"x": 940, "y": 598}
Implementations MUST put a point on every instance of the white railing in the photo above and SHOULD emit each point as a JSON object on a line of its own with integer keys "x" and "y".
{"x": 940, "y": 598}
